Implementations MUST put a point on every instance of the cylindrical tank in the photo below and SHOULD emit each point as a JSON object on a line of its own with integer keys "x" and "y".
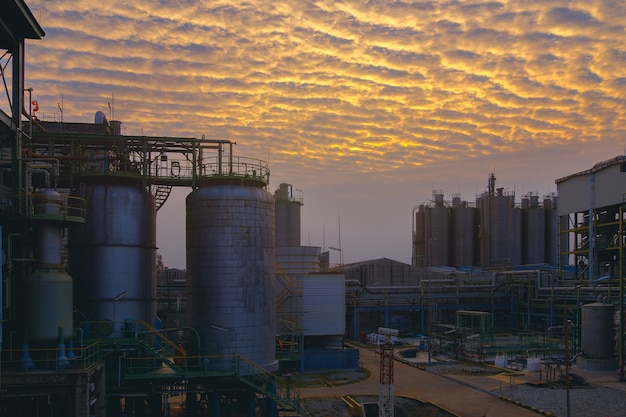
{"x": 287, "y": 217}
{"x": 48, "y": 288}
{"x": 501, "y": 226}
{"x": 113, "y": 256}
{"x": 552, "y": 230}
{"x": 598, "y": 331}
{"x": 438, "y": 236}
{"x": 230, "y": 271}
{"x": 534, "y": 219}
{"x": 49, "y": 299}
{"x": 419, "y": 239}
{"x": 463, "y": 232}
{"x": 298, "y": 260}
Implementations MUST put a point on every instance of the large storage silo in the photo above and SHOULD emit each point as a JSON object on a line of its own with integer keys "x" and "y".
{"x": 501, "y": 227}
{"x": 287, "y": 217}
{"x": 534, "y": 230}
{"x": 419, "y": 237}
{"x": 438, "y": 233}
{"x": 552, "y": 229}
{"x": 463, "y": 233}
{"x": 230, "y": 271}
{"x": 113, "y": 256}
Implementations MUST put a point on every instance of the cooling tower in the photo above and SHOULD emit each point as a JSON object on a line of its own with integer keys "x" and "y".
{"x": 230, "y": 271}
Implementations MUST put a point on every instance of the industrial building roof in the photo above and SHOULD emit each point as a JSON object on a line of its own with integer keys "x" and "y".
{"x": 17, "y": 23}
{"x": 620, "y": 159}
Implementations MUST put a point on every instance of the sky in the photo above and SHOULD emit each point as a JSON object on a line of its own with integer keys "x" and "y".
{"x": 364, "y": 106}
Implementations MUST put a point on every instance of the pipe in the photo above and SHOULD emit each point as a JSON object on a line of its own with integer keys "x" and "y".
{"x": 1, "y": 301}
{"x": 592, "y": 226}
{"x": 62, "y": 362}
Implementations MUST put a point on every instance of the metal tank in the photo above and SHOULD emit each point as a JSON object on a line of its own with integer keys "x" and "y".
{"x": 287, "y": 217}
{"x": 419, "y": 237}
{"x": 298, "y": 260}
{"x": 113, "y": 256}
{"x": 438, "y": 233}
{"x": 48, "y": 288}
{"x": 501, "y": 226}
{"x": 230, "y": 271}
{"x": 552, "y": 229}
{"x": 534, "y": 230}
{"x": 598, "y": 331}
{"x": 463, "y": 233}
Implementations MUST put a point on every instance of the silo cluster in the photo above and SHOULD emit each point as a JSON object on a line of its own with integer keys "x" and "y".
{"x": 495, "y": 231}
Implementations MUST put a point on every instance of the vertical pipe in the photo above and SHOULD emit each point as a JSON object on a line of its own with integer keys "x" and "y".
{"x": 1, "y": 302}
{"x": 621, "y": 294}
{"x": 356, "y": 322}
{"x": 592, "y": 232}
{"x": 16, "y": 120}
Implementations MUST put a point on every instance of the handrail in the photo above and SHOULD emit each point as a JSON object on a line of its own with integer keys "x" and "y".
{"x": 267, "y": 383}
{"x": 162, "y": 338}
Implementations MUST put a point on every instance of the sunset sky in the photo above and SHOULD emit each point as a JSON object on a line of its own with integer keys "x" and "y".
{"x": 365, "y": 106}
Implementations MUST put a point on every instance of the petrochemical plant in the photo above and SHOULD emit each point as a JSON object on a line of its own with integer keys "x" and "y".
{"x": 86, "y": 329}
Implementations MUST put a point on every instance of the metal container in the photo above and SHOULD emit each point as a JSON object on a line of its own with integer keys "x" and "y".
{"x": 49, "y": 305}
{"x": 501, "y": 226}
{"x": 230, "y": 271}
{"x": 419, "y": 238}
{"x": 598, "y": 331}
{"x": 464, "y": 235}
{"x": 437, "y": 236}
{"x": 534, "y": 232}
{"x": 48, "y": 288}
{"x": 113, "y": 256}
{"x": 552, "y": 229}
{"x": 296, "y": 260}
{"x": 287, "y": 217}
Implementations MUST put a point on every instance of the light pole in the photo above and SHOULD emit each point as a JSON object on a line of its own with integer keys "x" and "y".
{"x": 228, "y": 329}
{"x": 115, "y": 300}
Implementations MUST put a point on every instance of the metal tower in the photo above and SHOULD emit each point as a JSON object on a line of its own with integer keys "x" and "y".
{"x": 385, "y": 408}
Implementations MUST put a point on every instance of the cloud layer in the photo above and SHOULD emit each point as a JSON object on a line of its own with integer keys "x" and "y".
{"x": 352, "y": 98}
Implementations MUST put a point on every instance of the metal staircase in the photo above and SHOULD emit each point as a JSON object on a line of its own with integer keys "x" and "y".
{"x": 160, "y": 194}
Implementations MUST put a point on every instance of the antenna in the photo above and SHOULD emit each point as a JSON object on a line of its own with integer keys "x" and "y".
{"x": 339, "y": 227}
{"x": 60, "y": 106}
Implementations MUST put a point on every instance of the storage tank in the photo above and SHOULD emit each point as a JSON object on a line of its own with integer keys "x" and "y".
{"x": 501, "y": 227}
{"x": 534, "y": 230}
{"x": 296, "y": 260}
{"x": 287, "y": 217}
{"x": 598, "y": 331}
{"x": 48, "y": 288}
{"x": 552, "y": 229}
{"x": 230, "y": 271}
{"x": 438, "y": 232}
{"x": 113, "y": 256}
{"x": 463, "y": 233}
{"x": 419, "y": 240}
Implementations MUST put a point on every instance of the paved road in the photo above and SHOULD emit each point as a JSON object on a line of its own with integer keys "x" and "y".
{"x": 454, "y": 395}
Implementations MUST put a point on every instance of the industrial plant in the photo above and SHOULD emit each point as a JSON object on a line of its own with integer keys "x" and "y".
{"x": 92, "y": 324}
